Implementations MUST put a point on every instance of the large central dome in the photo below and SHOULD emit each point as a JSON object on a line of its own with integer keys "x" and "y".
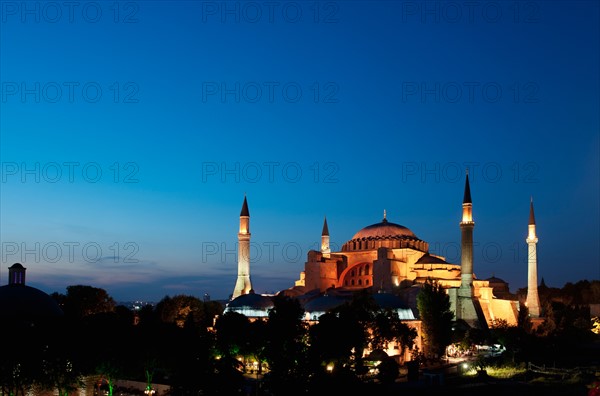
{"x": 384, "y": 234}
{"x": 383, "y": 229}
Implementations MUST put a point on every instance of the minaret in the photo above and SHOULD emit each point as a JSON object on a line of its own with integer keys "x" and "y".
{"x": 533, "y": 299}
{"x": 325, "y": 249}
{"x": 466, "y": 255}
{"x": 466, "y": 304}
{"x": 243, "y": 284}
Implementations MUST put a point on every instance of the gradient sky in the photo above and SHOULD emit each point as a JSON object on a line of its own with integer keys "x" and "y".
{"x": 130, "y": 132}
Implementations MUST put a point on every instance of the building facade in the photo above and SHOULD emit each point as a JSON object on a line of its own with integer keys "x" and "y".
{"x": 389, "y": 257}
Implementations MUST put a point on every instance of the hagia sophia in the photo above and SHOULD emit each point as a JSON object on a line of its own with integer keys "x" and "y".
{"x": 392, "y": 262}
{"x": 386, "y": 259}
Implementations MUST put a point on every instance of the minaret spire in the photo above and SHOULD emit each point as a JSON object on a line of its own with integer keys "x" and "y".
{"x": 467, "y": 197}
{"x": 533, "y": 299}
{"x": 466, "y": 226}
{"x": 465, "y": 304}
{"x": 531, "y": 215}
{"x": 325, "y": 228}
{"x": 384, "y": 216}
{"x": 245, "y": 211}
{"x": 243, "y": 284}
{"x": 325, "y": 249}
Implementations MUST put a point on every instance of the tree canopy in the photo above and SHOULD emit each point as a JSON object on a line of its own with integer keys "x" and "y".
{"x": 436, "y": 317}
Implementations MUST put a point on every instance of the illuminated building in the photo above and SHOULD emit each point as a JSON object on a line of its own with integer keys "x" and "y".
{"x": 389, "y": 257}
{"x": 392, "y": 262}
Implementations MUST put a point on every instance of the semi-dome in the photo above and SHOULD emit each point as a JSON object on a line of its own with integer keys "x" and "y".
{"x": 430, "y": 259}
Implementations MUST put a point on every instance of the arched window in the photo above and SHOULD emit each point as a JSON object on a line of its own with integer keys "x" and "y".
{"x": 367, "y": 269}
{"x": 360, "y": 282}
{"x": 360, "y": 271}
{"x": 352, "y": 282}
{"x": 367, "y": 282}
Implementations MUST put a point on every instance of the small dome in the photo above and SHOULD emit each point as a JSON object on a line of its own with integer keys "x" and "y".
{"x": 383, "y": 230}
{"x": 393, "y": 302}
{"x": 493, "y": 279}
{"x": 324, "y": 303}
{"x": 252, "y": 305}
{"x": 388, "y": 300}
{"x": 251, "y": 300}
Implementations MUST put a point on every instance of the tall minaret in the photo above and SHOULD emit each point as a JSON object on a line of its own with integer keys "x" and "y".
{"x": 533, "y": 299}
{"x": 325, "y": 249}
{"x": 466, "y": 255}
{"x": 243, "y": 284}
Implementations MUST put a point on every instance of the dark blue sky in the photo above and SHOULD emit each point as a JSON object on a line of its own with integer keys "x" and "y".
{"x": 130, "y": 132}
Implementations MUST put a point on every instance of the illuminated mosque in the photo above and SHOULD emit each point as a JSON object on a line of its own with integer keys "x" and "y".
{"x": 392, "y": 262}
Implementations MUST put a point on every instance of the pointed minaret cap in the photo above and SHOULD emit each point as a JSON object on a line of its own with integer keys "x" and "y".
{"x": 467, "y": 197}
{"x": 325, "y": 228}
{"x": 384, "y": 216}
{"x": 245, "y": 211}
{"x": 531, "y": 216}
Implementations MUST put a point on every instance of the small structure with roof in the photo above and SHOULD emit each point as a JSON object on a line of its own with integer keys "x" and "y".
{"x": 19, "y": 301}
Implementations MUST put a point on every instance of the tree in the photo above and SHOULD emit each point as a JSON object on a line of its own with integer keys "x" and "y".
{"x": 109, "y": 372}
{"x": 81, "y": 301}
{"x": 285, "y": 350}
{"x": 232, "y": 334}
{"x": 358, "y": 316}
{"x": 436, "y": 317}
{"x": 59, "y": 373}
{"x": 387, "y": 327}
{"x": 330, "y": 342}
{"x": 257, "y": 342}
{"x": 180, "y": 308}
{"x": 523, "y": 320}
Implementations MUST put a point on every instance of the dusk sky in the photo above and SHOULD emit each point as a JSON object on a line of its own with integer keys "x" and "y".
{"x": 131, "y": 130}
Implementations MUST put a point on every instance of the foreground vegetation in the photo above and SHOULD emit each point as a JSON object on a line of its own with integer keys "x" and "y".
{"x": 179, "y": 343}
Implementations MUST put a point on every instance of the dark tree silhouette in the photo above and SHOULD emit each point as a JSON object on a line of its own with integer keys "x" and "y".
{"x": 232, "y": 334}
{"x": 330, "y": 342}
{"x": 436, "y": 317}
{"x": 286, "y": 351}
{"x": 81, "y": 301}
